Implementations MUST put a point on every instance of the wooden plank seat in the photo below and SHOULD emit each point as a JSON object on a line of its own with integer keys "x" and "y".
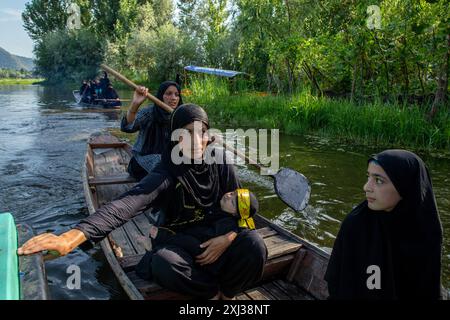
{"x": 107, "y": 145}
{"x": 113, "y": 179}
{"x": 281, "y": 254}
{"x": 275, "y": 290}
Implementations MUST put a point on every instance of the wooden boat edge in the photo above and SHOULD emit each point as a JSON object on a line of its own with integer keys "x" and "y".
{"x": 120, "y": 274}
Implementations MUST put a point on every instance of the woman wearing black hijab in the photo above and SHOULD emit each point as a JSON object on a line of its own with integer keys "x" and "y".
{"x": 389, "y": 246}
{"x": 152, "y": 124}
{"x": 189, "y": 193}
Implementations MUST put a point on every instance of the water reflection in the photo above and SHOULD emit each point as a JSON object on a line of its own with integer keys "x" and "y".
{"x": 42, "y": 145}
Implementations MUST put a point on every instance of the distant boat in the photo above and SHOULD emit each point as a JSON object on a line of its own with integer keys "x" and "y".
{"x": 101, "y": 103}
{"x": 294, "y": 270}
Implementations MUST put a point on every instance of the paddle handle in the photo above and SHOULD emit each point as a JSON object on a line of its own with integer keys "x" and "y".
{"x": 113, "y": 99}
{"x": 134, "y": 86}
{"x": 237, "y": 152}
{"x": 170, "y": 110}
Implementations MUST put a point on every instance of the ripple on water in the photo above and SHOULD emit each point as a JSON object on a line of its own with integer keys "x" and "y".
{"x": 12, "y": 169}
{"x": 45, "y": 141}
{"x": 41, "y": 185}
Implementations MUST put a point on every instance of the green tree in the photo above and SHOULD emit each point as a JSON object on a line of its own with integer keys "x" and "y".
{"x": 64, "y": 56}
{"x": 158, "y": 56}
{"x": 164, "y": 11}
{"x": 43, "y": 16}
{"x": 189, "y": 20}
{"x": 217, "y": 43}
{"x": 114, "y": 19}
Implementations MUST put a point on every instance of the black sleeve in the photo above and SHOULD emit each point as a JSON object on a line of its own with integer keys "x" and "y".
{"x": 333, "y": 271}
{"x": 426, "y": 272}
{"x": 339, "y": 274}
{"x": 143, "y": 117}
{"x": 126, "y": 206}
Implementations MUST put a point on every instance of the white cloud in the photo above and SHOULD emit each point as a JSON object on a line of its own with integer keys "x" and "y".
{"x": 9, "y": 14}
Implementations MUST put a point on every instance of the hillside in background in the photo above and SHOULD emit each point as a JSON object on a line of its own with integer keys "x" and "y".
{"x": 11, "y": 61}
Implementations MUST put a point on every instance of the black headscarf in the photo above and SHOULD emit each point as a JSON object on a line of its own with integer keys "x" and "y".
{"x": 160, "y": 114}
{"x": 201, "y": 181}
{"x": 158, "y": 132}
{"x": 405, "y": 243}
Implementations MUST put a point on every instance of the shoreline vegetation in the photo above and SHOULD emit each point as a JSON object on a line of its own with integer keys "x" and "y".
{"x": 389, "y": 125}
{"x": 10, "y": 81}
{"x": 354, "y": 72}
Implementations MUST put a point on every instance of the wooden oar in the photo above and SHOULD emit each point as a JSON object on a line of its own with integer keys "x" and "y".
{"x": 113, "y": 100}
{"x": 291, "y": 186}
{"x": 135, "y": 86}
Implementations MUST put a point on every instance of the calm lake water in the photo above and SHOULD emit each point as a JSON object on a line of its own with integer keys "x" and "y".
{"x": 43, "y": 137}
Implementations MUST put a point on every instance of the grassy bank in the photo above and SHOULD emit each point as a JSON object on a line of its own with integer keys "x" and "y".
{"x": 9, "y": 81}
{"x": 386, "y": 125}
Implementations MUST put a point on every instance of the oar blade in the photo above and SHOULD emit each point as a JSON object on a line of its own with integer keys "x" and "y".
{"x": 293, "y": 188}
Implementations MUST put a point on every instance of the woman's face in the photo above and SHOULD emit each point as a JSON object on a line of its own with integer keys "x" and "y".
{"x": 171, "y": 97}
{"x": 380, "y": 191}
{"x": 195, "y": 146}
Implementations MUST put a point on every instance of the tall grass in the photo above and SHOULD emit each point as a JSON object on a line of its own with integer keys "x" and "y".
{"x": 10, "y": 81}
{"x": 389, "y": 125}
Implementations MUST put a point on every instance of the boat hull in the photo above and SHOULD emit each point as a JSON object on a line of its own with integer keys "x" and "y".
{"x": 294, "y": 270}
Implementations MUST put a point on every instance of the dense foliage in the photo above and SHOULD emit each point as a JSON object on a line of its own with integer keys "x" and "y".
{"x": 394, "y": 51}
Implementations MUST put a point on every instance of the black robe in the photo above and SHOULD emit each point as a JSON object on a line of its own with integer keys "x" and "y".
{"x": 405, "y": 244}
{"x": 158, "y": 133}
{"x": 187, "y": 193}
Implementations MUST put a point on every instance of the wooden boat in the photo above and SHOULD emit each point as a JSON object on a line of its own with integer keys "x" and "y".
{"x": 21, "y": 277}
{"x": 100, "y": 104}
{"x": 294, "y": 270}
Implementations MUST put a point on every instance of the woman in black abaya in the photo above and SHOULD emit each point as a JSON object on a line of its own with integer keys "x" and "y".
{"x": 189, "y": 192}
{"x": 152, "y": 122}
{"x": 389, "y": 246}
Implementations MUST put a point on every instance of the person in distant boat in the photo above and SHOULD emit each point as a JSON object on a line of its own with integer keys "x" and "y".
{"x": 390, "y": 245}
{"x": 104, "y": 83}
{"x": 93, "y": 92}
{"x": 110, "y": 95}
{"x": 152, "y": 123}
{"x": 190, "y": 193}
{"x": 83, "y": 87}
{"x": 85, "y": 92}
{"x": 98, "y": 88}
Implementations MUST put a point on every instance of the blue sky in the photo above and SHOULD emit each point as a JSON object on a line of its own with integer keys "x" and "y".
{"x": 13, "y": 37}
